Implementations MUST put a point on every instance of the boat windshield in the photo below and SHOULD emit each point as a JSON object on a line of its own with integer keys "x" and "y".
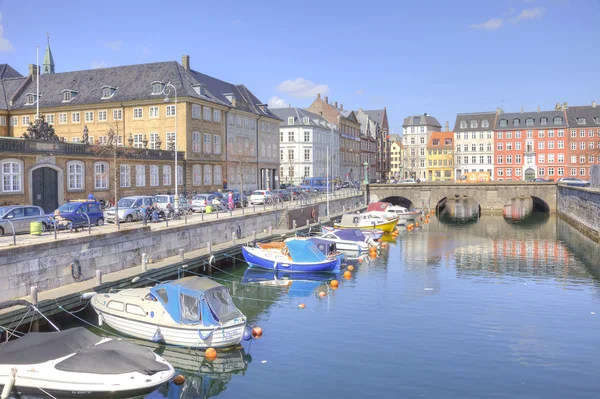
{"x": 190, "y": 310}
{"x": 221, "y": 304}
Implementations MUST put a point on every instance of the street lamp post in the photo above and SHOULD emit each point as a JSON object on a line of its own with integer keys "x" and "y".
{"x": 166, "y": 94}
{"x": 366, "y": 165}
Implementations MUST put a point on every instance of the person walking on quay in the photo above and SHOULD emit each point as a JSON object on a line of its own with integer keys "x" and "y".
{"x": 91, "y": 197}
{"x": 230, "y": 201}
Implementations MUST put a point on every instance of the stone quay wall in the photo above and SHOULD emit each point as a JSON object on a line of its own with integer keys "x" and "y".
{"x": 581, "y": 207}
{"x": 53, "y": 264}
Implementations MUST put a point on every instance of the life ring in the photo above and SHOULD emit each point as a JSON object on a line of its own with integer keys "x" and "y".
{"x": 313, "y": 214}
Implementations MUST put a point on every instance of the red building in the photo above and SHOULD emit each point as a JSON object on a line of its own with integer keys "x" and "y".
{"x": 584, "y": 136}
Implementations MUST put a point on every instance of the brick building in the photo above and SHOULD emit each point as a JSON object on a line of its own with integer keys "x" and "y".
{"x": 584, "y": 139}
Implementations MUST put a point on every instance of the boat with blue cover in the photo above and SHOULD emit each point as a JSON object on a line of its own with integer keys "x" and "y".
{"x": 194, "y": 312}
{"x": 294, "y": 255}
{"x": 374, "y": 234}
{"x": 352, "y": 240}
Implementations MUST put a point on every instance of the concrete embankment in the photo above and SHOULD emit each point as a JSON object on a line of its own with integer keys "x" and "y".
{"x": 581, "y": 207}
{"x": 54, "y": 264}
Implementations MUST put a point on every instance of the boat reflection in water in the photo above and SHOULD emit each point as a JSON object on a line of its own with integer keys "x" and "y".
{"x": 296, "y": 284}
{"x": 203, "y": 378}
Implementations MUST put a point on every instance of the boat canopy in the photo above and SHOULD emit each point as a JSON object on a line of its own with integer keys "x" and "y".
{"x": 303, "y": 251}
{"x": 196, "y": 300}
{"x": 350, "y": 234}
{"x": 325, "y": 246}
{"x": 378, "y": 206}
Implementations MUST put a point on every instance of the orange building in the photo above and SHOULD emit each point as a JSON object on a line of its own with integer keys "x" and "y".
{"x": 440, "y": 156}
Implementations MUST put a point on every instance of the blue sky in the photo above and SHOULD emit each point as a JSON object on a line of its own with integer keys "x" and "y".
{"x": 440, "y": 57}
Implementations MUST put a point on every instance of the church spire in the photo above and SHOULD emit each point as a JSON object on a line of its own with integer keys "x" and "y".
{"x": 48, "y": 66}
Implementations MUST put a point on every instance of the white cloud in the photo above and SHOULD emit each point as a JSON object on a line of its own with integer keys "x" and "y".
{"x": 114, "y": 45}
{"x": 302, "y": 88}
{"x": 531, "y": 13}
{"x": 277, "y": 102}
{"x": 99, "y": 64}
{"x": 5, "y": 44}
{"x": 490, "y": 24}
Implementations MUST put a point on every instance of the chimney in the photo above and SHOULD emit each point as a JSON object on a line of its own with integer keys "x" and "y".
{"x": 335, "y": 103}
{"x": 593, "y": 104}
{"x": 318, "y": 95}
{"x": 538, "y": 108}
{"x": 342, "y": 107}
{"x": 522, "y": 110}
{"x": 446, "y": 126}
{"x": 185, "y": 61}
{"x": 33, "y": 69}
{"x": 425, "y": 114}
{"x": 565, "y": 105}
{"x": 327, "y": 99}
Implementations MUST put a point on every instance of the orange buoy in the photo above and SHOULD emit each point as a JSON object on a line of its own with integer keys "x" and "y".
{"x": 210, "y": 353}
{"x": 322, "y": 294}
{"x": 257, "y": 332}
{"x": 302, "y": 306}
{"x": 417, "y": 224}
{"x": 178, "y": 380}
{"x": 347, "y": 277}
{"x": 383, "y": 245}
{"x": 347, "y": 274}
{"x": 360, "y": 260}
{"x": 334, "y": 283}
{"x": 350, "y": 267}
{"x": 373, "y": 254}
{"x": 334, "y": 288}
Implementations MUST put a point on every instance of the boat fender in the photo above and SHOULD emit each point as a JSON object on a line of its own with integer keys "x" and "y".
{"x": 313, "y": 214}
{"x": 8, "y": 386}
{"x": 158, "y": 337}
{"x": 247, "y": 336}
{"x": 211, "y": 260}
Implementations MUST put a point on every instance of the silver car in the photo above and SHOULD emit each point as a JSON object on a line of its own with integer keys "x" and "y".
{"x": 21, "y": 216}
{"x": 162, "y": 200}
{"x": 130, "y": 208}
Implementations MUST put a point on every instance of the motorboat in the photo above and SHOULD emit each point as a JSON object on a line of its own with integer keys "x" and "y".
{"x": 328, "y": 247}
{"x": 349, "y": 240}
{"x": 366, "y": 221}
{"x": 389, "y": 211}
{"x": 294, "y": 255}
{"x": 194, "y": 312}
{"x": 374, "y": 234}
{"x": 76, "y": 363}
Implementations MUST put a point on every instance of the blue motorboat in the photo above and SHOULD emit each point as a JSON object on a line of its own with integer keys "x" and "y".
{"x": 295, "y": 255}
{"x": 296, "y": 284}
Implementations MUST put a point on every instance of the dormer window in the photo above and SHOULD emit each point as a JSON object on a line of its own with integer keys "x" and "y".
{"x": 473, "y": 124}
{"x": 306, "y": 120}
{"x": 580, "y": 121}
{"x": 231, "y": 98}
{"x": 157, "y": 87}
{"x": 543, "y": 121}
{"x": 290, "y": 120}
{"x": 503, "y": 123}
{"x": 597, "y": 120}
{"x": 463, "y": 124}
{"x": 107, "y": 92}
{"x": 416, "y": 120}
{"x": 558, "y": 120}
{"x": 200, "y": 89}
{"x": 30, "y": 98}
{"x": 516, "y": 122}
{"x": 68, "y": 95}
{"x": 485, "y": 123}
{"x": 529, "y": 121}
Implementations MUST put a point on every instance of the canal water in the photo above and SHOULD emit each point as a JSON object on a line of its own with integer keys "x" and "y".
{"x": 485, "y": 309}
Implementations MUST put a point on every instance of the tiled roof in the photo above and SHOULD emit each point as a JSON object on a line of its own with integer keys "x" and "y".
{"x": 536, "y": 118}
{"x": 577, "y": 114}
{"x": 442, "y": 136}
{"x": 479, "y": 117}
{"x": 376, "y": 115}
{"x": 8, "y": 87}
{"x": 299, "y": 114}
{"x": 6, "y": 71}
{"x": 421, "y": 120}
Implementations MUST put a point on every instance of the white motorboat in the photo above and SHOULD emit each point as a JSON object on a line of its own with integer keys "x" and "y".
{"x": 352, "y": 240}
{"x": 389, "y": 211}
{"x": 76, "y": 363}
{"x": 194, "y": 312}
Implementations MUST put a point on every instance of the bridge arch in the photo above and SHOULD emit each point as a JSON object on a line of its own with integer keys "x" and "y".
{"x": 399, "y": 200}
{"x": 539, "y": 205}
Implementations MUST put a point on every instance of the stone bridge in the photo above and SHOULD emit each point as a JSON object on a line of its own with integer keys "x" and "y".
{"x": 491, "y": 196}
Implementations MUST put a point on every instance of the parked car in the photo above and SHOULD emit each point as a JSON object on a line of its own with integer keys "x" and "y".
{"x": 538, "y": 180}
{"x": 162, "y": 200}
{"x": 130, "y": 209}
{"x": 21, "y": 217}
{"x": 200, "y": 201}
{"x": 260, "y": 197}
{"x": 76, "y": 211}
{"x": 573, "y": 181}
{"x": 407, "y": 181}
{"x": 240, "y": 200}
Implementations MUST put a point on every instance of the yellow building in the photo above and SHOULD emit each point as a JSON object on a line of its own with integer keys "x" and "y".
{"x": 440, "y": 149}
{"x": 396, "y": 156}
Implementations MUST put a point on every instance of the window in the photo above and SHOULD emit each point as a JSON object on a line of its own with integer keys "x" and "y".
{"x": 591, "y": 145}
{"x": 503, "y": 123}
{"x": 207, "y": 144}
{"x": 508, "y": 146}
{"x": 473, "y": 124}
{"x": 75, "y": 175}
{"x": 125, "y": 180}
{"x": 246, "y": 124}
{"x": 485, "y": 123}
{"x": 550, "y": 158}
{"x": 541, "y": 158}
{"x": 153, "y": 175}
{"x": 207, "y": 113}
{"x": 558, "y": 120}
{"x": 517, "y": 134}
{"x": 62, "y": 118}
{"x": 582, "y": 145}
{"x": 217, "y": 171}
{"x": 195, "y": 141}
{"x": 117, "y": 114}
{"x": 474, "y": 147}
{"x": 509, "y": 159}
{"x": 573, "y": 146}
{"x": 107, "y": 92}
{"x": 100, "y": 175}
{"x": 550, "y": 171}
{"x": 75, "y": 117}
{"x": 573, "y": 171}
{"x": 102, "y": 116}
{"x": 11, "y": 176}
{"x": 541, "y": 134}
{"x": 541, "y": 145}
{"x": 530, "y": 134}
{"x": 561, "y": 133}
{"x": 195, "y": 111}
{"x": 170, "y": 137}
{"x": 138, "y": 140}
{"x": 489, "y": 159}
{"x": 499, "y": 135}
{"x": 499, "y": 146}
{"x": 217, "y": 143}
{"x": 529, "y": 122}
{"x": 30, "y": 99}
{"x": 140, "y": 175}
{"x": 207, "y": 175}
{"x": 291, "y": 154}
{"x": 14, "y": 121}
{"x": 561, "y": 171}
{"x": 551, "y": 145}
{"x": 153, "y": 143}
{"x": 197, "y": 175}
{"x": 153, "y": 112}
{"x": 89, "y": 116}
{"x": 499, "y": 160}
{"x": 307, "y": 171}
{"x": 458, "y": 159}
{"x": 481, "y": 159}
{"x": 76, "y": 140}
{"x": 561, "y": 158}
{"x": 26, "y": 120}
{"x": 307, "y": 155}
{"x": 291, "y": 136}
{"x": 590, "y": 133}
{"x": 509, "y": 135}
{"x": 509, "y": 172}
{"x": 170, "y": 110}
{"x": 582, "y": 159}
{"x": 115, "y": 305}
{"x": 306, "y": 136}
{"x": 581, "y": 171}
{"x": 590, "y": 158}
{"x": 561, "y": 144}
{"x": 67, "y": 96}
{"x": 166, "y": 175}
{"x": 138, "y": 113}
{"x": 217, "y": 115}
{"x": 541, "y": 171}
{"x": 157, "y": 88}
{"x": 582, "y": 133}
{"x": 516, "y": 122}
{"x": 550, "y": 133}
{"x": 500, "y": 172}
{"x": 518, "y": 146}
{"x": 488, "y": 147}
{"x": 422, "y": 140}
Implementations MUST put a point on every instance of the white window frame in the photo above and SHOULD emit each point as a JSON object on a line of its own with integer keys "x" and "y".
{"x": 2, "y": 120}
{"x": 207, "y": 143}
{"x": 75, "y": 176}
{"x": 26, "y": 120}
{"x": 75, "y": 117}
{"x": 153, "y": 139}
{"x": 102, "y": 115}
{"x": 197, "y": 175}
{"x": 154, "y": 176}
{"x": 207, "y": 111}
{"x": 101, "y": 175}
{"x": 125, "y": 176}
{"x": 196, "y": 111}
{"x": 208, "y": 175}
{"x": 140, "y": 175}
{"x": 138, "y": 113}
{"x": 153, "y": 111}
{"x": 89, "y": 116}
{"x": 13, "y": 177}
{"x": 170, "y": 111}
{"x": 196, "y": 144}
{"x": 117, "y": 114}
{"x": 216, "y": 143}
{"x": 217, "y": 115}
{"x": 217, "y": 174}
{"x": 167, "y": 175}
{"x": 62, "y": 119}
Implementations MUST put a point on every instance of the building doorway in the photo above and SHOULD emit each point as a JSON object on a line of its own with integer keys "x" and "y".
{"x": 45, "y": 188}
{"x": 529, "y": 174}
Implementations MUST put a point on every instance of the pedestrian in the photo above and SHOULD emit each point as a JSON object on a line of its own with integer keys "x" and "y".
{"x": 230, "y": 200}
{"x": 91, "y": 197}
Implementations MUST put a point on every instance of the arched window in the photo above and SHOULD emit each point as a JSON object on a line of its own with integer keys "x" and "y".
{"x": 166, "y": 175}
{"x": 75, "y": 173}
{"x": 154, "y": 175}
{"x": 12, "y": 176}
{"x": 197, "y": 175}
{"x": 207, "y": 175}
{"x": 558, "y": 120}
{"x": 125, "y": 176}
{"x": 100, "y": 175}
{"x": 218, "y": 173}
{"x": 543, "y": 121}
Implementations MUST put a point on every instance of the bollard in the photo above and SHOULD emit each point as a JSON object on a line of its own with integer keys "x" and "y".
{"x": 307, "y": 222}
{"x": 185, "y": 216}
{"x": 202, "y": 213}
{"x": 233, "y": 238}
{"x": 294, "y": 225}
{"x": 144, "y": 263}
{"x": 181, "y": 254}
{"x": 99, "y": 277}
{"x": 253, "y": 235}
{"x": 270, "y": 230}
{"x": 209, "y": 247}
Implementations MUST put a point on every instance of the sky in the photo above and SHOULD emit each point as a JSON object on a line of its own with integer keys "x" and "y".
{"x": 441, "y": 57}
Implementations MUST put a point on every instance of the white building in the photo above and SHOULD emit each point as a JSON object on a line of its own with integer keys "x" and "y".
{"x": 416, "y": 132}
{"x": 305, "y": 139}
{"x": 474, "y": 143}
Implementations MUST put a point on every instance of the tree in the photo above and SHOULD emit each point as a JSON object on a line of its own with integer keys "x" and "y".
{"x": 241, "y": 161}
{"x": 40, "y": 130}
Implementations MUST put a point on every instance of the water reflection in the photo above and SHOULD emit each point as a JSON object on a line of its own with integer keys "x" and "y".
{"x": 293, "y": 284}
